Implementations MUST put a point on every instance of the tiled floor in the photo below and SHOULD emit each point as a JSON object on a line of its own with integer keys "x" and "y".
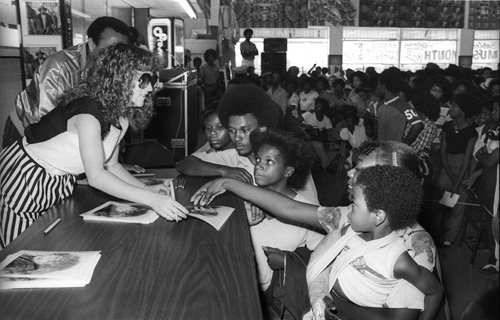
{"x": 461, "y": 280}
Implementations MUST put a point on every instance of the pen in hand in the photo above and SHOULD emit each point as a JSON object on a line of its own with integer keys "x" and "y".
{"x": 52, "y": 226}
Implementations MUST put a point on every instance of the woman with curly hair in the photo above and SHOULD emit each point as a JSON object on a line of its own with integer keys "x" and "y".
{"x": 82, "y": 135}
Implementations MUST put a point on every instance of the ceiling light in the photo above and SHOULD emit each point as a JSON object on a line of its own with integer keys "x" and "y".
{"x": 187, "y": 7}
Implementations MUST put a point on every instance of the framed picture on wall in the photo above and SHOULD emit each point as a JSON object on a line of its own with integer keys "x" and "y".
{"x": 42, "y": 18}
{"x": 34, "y": 56}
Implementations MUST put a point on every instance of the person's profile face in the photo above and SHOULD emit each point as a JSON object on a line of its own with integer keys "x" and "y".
{"x": 356, "y": 82}
{"x": 217, "y": 135}
{"x": 319, "y": 86}
{"x": 269, "y": 166}
{"x": 110, "y": 37}
{"x": 290, "y": 88}
{"x": 240, "y": 128}
{"x": 142, "y": 86}
{"x": 359, "y": 215}
{"x": 307, "y": 87}
{"x": 363, "y": 161}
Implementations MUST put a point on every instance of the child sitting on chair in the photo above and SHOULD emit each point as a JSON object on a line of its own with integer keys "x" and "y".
{"x": 368, "y": 259}
{"x": 282, "y": 165}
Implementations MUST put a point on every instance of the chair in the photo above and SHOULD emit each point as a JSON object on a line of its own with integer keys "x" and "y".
{"x": 478, "y": 220}
{"x": 148, "y": 154}
{"x": 337, "y": 153}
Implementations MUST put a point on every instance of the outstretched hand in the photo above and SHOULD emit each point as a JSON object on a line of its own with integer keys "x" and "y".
{"x": 204, "y": 195}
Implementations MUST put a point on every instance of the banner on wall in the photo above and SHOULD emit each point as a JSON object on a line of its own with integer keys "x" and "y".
{"x": 374, "y": 52}
{"x": 485, "y": 51}
{"x": 423, "y": 52}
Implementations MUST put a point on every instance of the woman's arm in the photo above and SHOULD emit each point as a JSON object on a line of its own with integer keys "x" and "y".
{"x": 465, "y": 163}
{"x": 273, "y": 202}
{"x": 444, "y": 159}
{"x": 89, "y": 135}
{"x": 406, "y": 268}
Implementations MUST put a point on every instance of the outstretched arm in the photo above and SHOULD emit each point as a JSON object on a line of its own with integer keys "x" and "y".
{"x": 193, "y": 166}
{"x": 273, "y": 202}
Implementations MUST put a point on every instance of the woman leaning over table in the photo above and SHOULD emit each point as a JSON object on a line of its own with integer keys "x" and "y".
{"x": 82, "y": 135}
{"x": 418, "y": 242}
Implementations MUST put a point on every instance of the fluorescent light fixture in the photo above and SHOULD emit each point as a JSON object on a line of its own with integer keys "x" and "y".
{"x": 80, "y": 14}
{"x": 187, "y": 7}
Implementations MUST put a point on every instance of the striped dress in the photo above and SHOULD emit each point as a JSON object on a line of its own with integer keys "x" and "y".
{"x": 40, "y": 170}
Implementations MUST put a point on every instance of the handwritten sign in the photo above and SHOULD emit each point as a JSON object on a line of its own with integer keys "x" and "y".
{"x": 485, "y": 51}
{"x": 422, "y": 52}
{"x": 375, "y": 52}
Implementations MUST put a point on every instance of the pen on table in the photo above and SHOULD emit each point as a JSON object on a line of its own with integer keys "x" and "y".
{"x": 52, "y": 226}
{"x": 172, "y": 194}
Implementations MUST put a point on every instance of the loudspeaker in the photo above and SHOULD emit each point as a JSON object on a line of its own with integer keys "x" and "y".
{"x": 273, "y": 62}
{"x": 175, "y": 122}
{"x": 275, "y": 45}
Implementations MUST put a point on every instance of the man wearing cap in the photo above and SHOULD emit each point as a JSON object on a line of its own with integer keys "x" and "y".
{"x": 58, "y": 73}
{"x": 248, "y": 49}
{"x": 45, "y": 21}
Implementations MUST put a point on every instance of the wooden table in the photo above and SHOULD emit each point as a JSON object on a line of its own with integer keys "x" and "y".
{"x": 159, "y": 271}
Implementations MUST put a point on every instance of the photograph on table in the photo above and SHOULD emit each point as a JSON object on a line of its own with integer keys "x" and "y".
{"x": 216, "y": 216}
{"x": 121, "y": 212}
{"x": 47, "y": 269}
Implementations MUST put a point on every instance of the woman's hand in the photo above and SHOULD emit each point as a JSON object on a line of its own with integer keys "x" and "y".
{"x": 167, "y": 207}
{"x": 255, "y": 215}
{"x": 208, "y": 192}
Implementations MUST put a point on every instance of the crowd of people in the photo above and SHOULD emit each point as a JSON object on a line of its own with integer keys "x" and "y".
{"x": 446, "y": 119}
{"x": 411, "y": 136}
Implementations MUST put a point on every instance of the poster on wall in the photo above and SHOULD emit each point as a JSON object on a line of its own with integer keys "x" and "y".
{"x": 43, "y": 18}
{"x": 423, "y": 52}
{"x": 293, "y": 14}
{"x": 34, "y": 57}
{"x": 484, "y": 15}
{"x": 412, "y": 13}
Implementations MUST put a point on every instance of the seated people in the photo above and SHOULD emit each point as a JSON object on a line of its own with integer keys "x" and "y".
{"x": 244, "y": 110}
{"x": 308, "y": 95}
{"x": 368, "y": 259}
{"x": 282, "y": 164}
{"x": 217, "y": 135}
{"x": 352, "y": 131}
{"x": 319, "y": 127}
{"x": 418, "y": 242}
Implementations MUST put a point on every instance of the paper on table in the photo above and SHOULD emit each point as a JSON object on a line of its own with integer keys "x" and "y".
{"x": 121, "y": 212}
{"x": 47, "y": 269}
{"x": 449, "y": 199}
{"x": 215, "y": 216}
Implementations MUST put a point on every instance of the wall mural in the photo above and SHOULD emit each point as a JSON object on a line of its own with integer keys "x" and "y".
{"x": 412, "y": 13}
{"x": 484, "y": 15}
{"x": 293, "y": 13}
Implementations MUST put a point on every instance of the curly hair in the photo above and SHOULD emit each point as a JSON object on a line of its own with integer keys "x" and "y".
{"x": 248, "y": 99}
{"x": 109, "y": 79}
{"x": 97, "y": 27}
{"x": 427, "y": 104}
{"x": 361, "y": 76}
{"x": 394, "y": 190}
{"x": 395, "y": 153}
{"x": 468, "y": 103}
{"x": 208, "y": 53}
{"x": 293, "y": 151}
{"x": 323, "y": 81}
